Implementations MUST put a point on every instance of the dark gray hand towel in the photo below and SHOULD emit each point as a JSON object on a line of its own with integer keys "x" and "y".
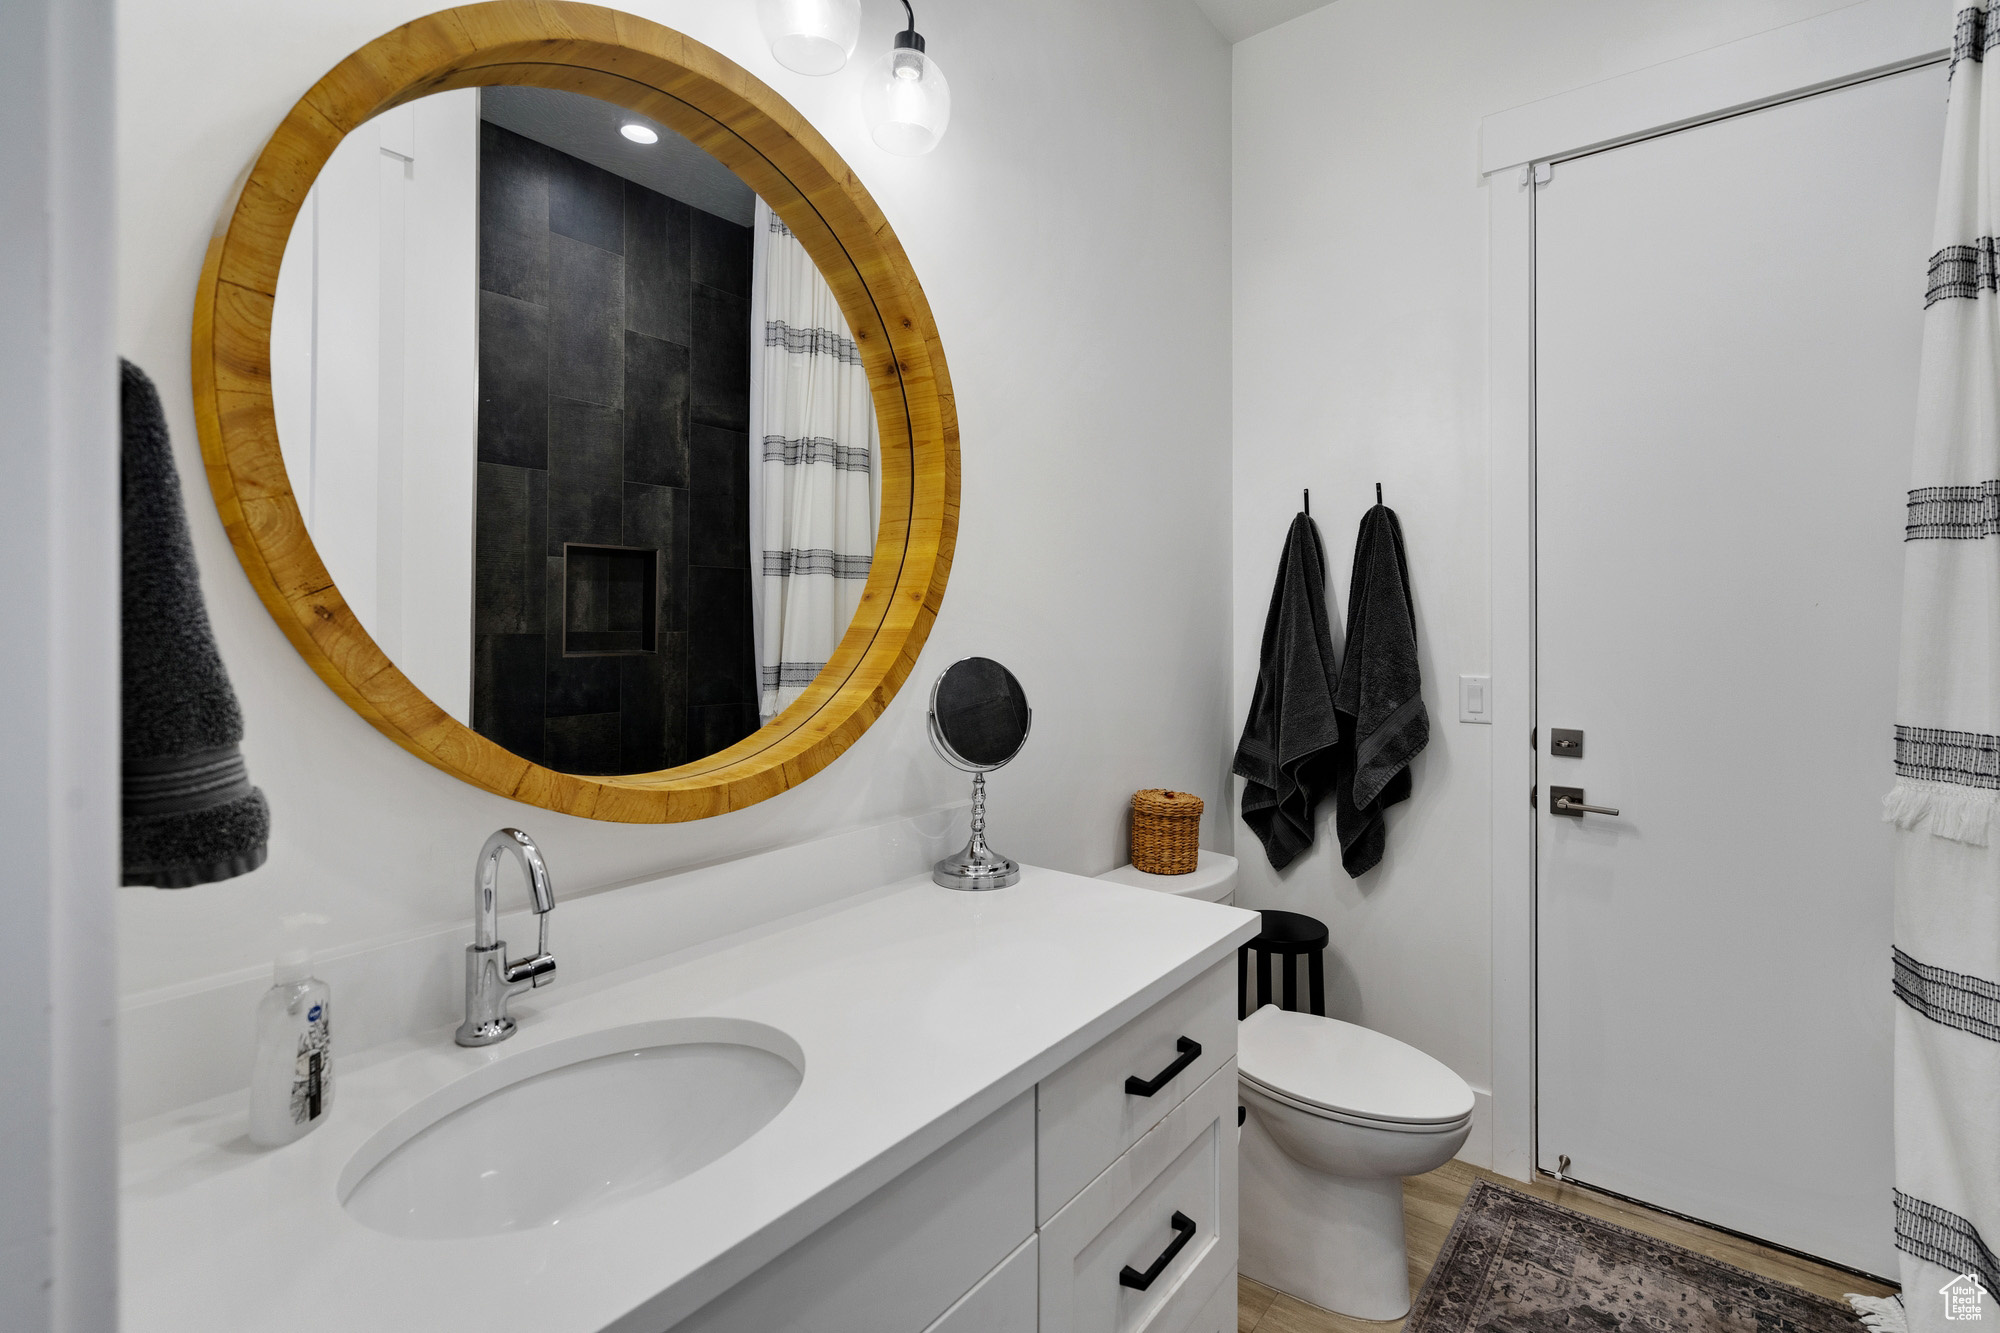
{"x": 191, "y": 816}
{"x": 1290, "y": 739}
{"x": 1380, "y": 696}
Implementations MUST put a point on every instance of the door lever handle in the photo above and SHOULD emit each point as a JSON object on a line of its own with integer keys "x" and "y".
{"x": 1566, "y": 806}
{"x": 1569, "y": 801}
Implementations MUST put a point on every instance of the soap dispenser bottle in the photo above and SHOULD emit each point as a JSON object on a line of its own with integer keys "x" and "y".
{"x": 291, "y": 1079}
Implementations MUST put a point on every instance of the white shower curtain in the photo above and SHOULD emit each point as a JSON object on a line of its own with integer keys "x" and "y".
{"x": 1947, "y": 924}
{"x": 812, "y": 465}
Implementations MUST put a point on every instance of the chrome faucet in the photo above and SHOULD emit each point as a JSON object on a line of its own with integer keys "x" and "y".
{"x": 489, "y": 977}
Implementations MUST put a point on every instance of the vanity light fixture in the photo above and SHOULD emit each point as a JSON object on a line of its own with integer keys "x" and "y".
{"x": 811, "y": 36}
{"x": 906, "y": 99}
{"x": 638, "y": 133}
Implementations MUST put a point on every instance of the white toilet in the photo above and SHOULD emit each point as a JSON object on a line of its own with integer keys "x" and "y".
{"x": 1338, "y": 1116}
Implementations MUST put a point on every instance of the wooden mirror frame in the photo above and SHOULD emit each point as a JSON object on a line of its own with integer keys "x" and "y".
{"x": 657, "y": 72}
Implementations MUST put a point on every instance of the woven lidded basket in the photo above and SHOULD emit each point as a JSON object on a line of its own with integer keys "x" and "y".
{"x": 1166, "y": 831}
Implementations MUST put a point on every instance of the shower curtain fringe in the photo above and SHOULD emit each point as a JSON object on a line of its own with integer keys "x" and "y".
{"x": 1883, "y": 1314}
{"x": 1962, "y": 814}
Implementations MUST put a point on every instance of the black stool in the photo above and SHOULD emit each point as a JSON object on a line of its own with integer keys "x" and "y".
{"x": 1287, "y": 935}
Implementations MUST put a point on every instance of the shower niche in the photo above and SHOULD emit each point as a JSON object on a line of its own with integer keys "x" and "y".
{"x": 611, "y": 596}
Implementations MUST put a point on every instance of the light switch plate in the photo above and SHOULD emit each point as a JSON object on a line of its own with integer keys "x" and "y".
{"x": 1475, "y": 699}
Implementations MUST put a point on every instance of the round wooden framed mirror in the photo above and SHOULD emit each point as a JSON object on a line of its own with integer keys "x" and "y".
{"x": 668, "y": 84}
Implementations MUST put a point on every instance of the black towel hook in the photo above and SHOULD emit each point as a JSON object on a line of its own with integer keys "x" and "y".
{"x": 1309, "y": 502}
{"x": 1378, "y": 492}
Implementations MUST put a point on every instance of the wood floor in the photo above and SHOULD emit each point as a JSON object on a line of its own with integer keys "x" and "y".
{"x": 1431, "y": 1203}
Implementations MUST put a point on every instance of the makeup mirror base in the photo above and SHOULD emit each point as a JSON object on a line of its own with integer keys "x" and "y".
{"x": 975, "y": 868}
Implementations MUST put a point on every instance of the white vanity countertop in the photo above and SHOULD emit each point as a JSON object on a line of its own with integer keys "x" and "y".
{"x": 920, "y": 1011}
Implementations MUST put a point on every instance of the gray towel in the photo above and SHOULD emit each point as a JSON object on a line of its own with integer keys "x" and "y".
{"x": 1292, "y": 736}
{"x": 190, "y": 814}
{"x": 1380, "y": 696}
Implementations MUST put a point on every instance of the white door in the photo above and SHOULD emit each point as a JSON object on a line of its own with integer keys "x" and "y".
{"x": 1727, "y": 328}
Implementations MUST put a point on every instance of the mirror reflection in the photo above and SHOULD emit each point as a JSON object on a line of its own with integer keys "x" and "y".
{"x": 576, "y": 425}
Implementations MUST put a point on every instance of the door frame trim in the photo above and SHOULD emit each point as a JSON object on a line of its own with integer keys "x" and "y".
{"x": 1850, "y": 45}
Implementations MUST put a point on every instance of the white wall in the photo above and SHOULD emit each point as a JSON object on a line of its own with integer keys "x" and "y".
{"x": 375, "y": 380}
{"x": 58, "y": 669}
{"x": 1071, "y": 233}
{"x": 1359, "y": 323}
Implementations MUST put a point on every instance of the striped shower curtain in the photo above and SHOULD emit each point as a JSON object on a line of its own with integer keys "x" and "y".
{"x": 1947, "y": 926}
{"x": 812, "y": 467}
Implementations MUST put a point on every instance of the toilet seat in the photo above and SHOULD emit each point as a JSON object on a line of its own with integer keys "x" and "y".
{"x": 1342, "y": 1071}
{"x": 1253, "y": 1088}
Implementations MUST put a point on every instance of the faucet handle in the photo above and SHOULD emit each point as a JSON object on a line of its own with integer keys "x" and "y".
{"x": 542, "y": 965}
{"x": 533, "y": 970}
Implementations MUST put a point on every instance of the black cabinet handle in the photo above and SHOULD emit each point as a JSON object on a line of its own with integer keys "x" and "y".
{"x": 1190, "y": 1051}
{"x": 1129, "y": 1276}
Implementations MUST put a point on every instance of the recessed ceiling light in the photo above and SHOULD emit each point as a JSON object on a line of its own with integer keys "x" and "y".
{"x": 638, "y": 133}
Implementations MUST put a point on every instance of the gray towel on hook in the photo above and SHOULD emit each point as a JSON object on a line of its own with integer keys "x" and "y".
{"x": 190, "y": 814}
{"x": 1290, "y": 740}
{"x": 1380, "y": 696}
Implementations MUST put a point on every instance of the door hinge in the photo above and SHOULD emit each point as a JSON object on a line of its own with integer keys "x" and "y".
{"x": 1532, "y": 793}
{"x": 1533, "y": 732}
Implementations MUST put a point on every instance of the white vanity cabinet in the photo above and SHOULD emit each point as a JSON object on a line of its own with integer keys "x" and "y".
{"x": 1102, "y": 1201}
{"x": 1004, "y": 1101}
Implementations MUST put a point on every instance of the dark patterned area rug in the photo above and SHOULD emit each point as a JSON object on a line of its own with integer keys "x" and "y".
{"x": 1516, "y": 1264}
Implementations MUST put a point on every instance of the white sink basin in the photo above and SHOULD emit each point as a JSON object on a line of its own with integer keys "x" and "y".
{"x": 556, "y": 1131}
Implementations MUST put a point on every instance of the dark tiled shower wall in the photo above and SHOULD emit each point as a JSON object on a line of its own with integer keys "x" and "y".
{"x": 614, "y": 404}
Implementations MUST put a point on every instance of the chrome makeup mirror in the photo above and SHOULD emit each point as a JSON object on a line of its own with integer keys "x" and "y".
{"x": 979, "y": 721}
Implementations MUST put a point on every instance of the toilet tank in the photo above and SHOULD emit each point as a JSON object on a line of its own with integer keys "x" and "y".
{"x": 1212, "y": 880}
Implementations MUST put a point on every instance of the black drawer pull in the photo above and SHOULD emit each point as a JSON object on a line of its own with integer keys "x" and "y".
{"x": 1190, "y": 1051}
{"x": 1129, "y": 1276}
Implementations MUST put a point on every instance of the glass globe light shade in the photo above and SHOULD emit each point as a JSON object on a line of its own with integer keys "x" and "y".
{"x": 907, "y": 102}
{"x": 811, "y": 36}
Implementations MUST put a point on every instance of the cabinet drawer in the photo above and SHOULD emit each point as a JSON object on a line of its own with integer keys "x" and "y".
{"x": 1179, "y": 1178}
{"x": 1085, "y": 1115}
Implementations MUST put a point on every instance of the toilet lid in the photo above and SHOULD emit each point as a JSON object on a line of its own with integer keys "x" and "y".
{"x": 1340, "y": 1067}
